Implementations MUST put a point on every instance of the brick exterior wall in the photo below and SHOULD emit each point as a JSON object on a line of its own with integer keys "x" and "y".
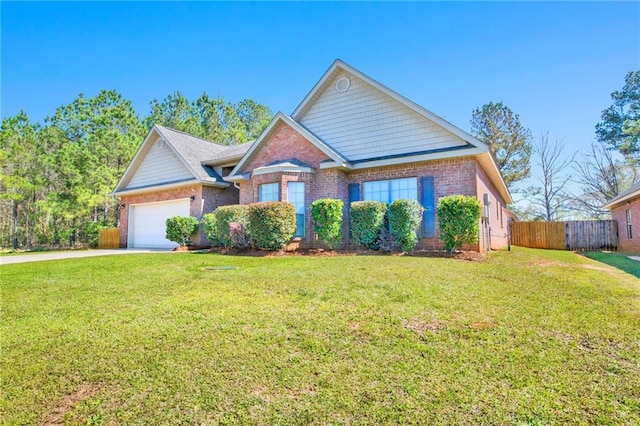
{"x": 619, "y": 213}
{"x": 498, "y": 221}
{"x": 206, "y": 199}
{"x": 451, "y": 176}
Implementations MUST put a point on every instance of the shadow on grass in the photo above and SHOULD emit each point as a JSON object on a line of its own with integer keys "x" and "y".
{"x": 617, "y": 260}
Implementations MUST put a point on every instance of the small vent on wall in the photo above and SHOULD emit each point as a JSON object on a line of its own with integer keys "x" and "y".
{"x": 160, "y": 143}
{"x": 343, "y": 84}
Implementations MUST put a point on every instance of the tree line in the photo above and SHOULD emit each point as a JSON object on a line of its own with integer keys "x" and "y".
{"x": 566, "y": 184}
{"x": 56, "y": 177}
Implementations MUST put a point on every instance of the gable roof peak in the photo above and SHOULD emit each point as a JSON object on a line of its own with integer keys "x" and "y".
{"x": 163, "y": 129}
{"x": 339, "y": 64}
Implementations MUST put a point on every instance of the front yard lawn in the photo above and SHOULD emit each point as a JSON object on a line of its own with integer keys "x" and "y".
{"x": 524, "y": 337}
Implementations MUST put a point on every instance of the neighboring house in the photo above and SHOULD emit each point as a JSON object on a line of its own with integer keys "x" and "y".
{"x": 625, "y": 208}
{"x": 173, "y": 174}
{"x": 351, "y": 138}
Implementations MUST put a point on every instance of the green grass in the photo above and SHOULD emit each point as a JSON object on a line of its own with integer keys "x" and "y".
{"x": 12, "y": 252}
{"x": 617, "y": 260}
{"x": 524, "y": 337}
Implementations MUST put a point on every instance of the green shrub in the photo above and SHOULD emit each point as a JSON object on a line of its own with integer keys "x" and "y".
{"x": 181, "y": 228}
{"x": 224, "y": 216}
{"x": 326, "y": 215}
{"x": 271, "y": 224}
{"x": 209, "y": 227}
{"x": 92, "y": 232}
{"x": 405, "y": 217}
{"x": 367, "y": 218}
{"x": 458, "y": 217}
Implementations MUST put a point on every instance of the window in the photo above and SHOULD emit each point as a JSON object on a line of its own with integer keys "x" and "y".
{"x": 295, "y": 196}
{"x": 388, "y": 191}
{"x": 629, "y": 232}
{"x": 268, "y": 192}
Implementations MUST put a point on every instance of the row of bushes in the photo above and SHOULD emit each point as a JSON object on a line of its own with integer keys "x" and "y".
{"x": 266, "y": 226}
{"x": 374, "y": 225}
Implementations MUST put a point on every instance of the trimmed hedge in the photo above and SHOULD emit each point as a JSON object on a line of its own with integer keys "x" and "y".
{"x": 458, "y": 220}
{"x": 405, "y": 217}
{"x": 221, "y": 229}
{"x": 326, "y": 216}
{"x": 271, "y": 224}
{"x": 367, "y": 219}
{"x": 181, "y": 228}
{"x": 209, "y": 224}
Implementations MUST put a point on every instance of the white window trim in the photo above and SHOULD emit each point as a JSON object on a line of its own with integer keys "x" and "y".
{"x": 364, "y": 187}
{"x": 262, "y": 185}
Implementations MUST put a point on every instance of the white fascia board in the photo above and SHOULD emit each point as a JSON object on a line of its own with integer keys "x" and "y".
{"x": 276, "y": 169}
{"x": 394, "y": 95}
{"x": 247, "y": 155}
{"x": 132, "y": 165}
{"x": 155, "y": 188}
{"x": 175, "y": 151}
{"x": 280, "y": 116}
{"x": 620, "y": 200}
{"x": 237, "y": 178}
{"x": 403, "y": 160}
{"x": 335, "y": 165}
{"x": 223, "y": 161}
{"x": 326, "y": 149}
{"x": 316, "y": 87}
{"x": 491, "y": 169}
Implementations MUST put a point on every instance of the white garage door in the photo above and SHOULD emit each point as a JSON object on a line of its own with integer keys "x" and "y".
{"x": 147, "y": 223}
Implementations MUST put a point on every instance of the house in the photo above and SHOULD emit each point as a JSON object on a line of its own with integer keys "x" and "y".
{"x": 625, "y": 208}
{"x": 350, "y": 138}
{"x": 173, "y": 174}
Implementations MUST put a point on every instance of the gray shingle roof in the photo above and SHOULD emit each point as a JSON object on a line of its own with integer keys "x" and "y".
{"x": 229, "y": 152}
{"x": 194, "y": 150}
{"x": 635, "y": 187}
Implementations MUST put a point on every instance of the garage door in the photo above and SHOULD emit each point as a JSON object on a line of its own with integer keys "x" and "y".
{"x": 147, "y": 223}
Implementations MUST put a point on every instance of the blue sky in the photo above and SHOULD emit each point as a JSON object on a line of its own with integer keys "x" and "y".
{"x": 555, "y": 64}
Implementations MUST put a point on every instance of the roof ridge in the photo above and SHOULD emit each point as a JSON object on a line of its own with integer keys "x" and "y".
{"x": 191, "y": 135}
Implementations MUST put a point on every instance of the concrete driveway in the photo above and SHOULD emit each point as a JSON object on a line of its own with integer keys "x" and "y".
{"x": 72, "y": 254}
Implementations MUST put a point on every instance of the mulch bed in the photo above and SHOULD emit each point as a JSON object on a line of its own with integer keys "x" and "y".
{"x": 459, "y": 255}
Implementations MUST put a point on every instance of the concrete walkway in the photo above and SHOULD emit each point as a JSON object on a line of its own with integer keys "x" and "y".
{"x": 634, "y": 258}
{"x": 72, "y": 254}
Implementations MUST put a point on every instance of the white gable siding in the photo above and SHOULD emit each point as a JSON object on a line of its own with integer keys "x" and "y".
{"x": 158, "y": 166}
{"x": 364, "y": 123}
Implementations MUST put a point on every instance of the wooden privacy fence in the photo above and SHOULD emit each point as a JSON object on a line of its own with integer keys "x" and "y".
{"x": 109, "y": 238}
{"x": 570, "y": 235}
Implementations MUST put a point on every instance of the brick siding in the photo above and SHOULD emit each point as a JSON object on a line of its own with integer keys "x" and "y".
{"x": 498, "y": 220}
{"x": 461, "y": 175}
{"x": 206, "y": 199}
{"x": 619, "y": 213}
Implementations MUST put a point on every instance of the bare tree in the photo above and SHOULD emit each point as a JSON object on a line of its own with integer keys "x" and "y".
{"x": 549, "y": 200}
{"x": 601, "y": 177}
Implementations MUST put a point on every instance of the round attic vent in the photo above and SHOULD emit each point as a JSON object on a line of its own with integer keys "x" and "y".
{"x": 160, "y": 143}
{"x": 343, "y": 84}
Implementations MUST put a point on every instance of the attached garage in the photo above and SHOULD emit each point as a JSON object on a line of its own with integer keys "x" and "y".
{"x": 172, "y": 174}
{"x": 147, "y": 222}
